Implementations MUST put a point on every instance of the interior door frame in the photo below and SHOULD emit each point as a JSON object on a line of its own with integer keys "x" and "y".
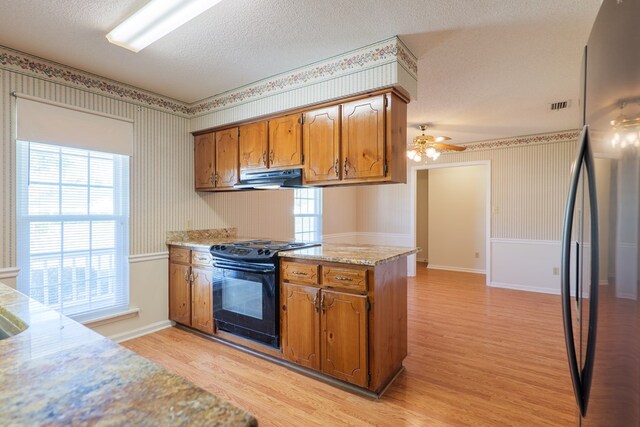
{"x": 413, "y": 193}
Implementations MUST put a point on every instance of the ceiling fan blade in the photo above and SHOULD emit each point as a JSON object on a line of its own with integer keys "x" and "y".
{"x": 448, "y": 147}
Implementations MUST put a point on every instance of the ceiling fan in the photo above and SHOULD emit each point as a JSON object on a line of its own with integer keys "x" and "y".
{"x": 429, "y": 146}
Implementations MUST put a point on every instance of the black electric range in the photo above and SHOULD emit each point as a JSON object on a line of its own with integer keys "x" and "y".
{"x": 259, "y": 251}
{"x": 246, "y": 288}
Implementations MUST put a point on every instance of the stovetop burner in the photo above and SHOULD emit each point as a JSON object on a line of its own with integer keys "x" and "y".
{"x": 256, "y": 250}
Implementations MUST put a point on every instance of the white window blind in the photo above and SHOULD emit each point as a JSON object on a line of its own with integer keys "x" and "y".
{"x": 73, "y": 227}
{"x": 308, "y": 214}
{"x": 52, "y": 123}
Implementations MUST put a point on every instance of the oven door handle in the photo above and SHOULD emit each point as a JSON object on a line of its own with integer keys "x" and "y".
{"x": 245, "y": 268}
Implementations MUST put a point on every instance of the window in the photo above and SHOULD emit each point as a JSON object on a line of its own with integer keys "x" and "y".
{"x": 73, "y": 227}
{"x": 308, "y": 214}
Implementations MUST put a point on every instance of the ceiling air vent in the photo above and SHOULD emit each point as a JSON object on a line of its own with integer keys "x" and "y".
{"x": 560, "y": 105}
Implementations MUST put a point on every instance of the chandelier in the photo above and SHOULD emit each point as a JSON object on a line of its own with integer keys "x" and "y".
{"x": 626, "y": 131}
{"x": 429, "y": 146}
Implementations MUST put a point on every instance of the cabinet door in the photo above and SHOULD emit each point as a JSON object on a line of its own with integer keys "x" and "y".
{"x": 179, "y": 293}
{"x": 321, "y": 137}
{"x": 344, "y": 336}
{"x": 227, "y": 158}
{"x": 204, "y": 158}
{"x": 363, "y": 138}
{"x": 202, "y": 300}
{"x": 253, "y": 146}
{"x": 285, "y": 141}
{"x": 301, "y": 325}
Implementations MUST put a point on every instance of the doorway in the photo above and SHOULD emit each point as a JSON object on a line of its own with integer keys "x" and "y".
{"x": 451, "y": 215}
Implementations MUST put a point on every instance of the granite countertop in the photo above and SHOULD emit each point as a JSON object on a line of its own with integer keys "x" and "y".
{"x": 351, "y": 254}
{"x": 58, "y": 372}
{"x": 329, "y": 252}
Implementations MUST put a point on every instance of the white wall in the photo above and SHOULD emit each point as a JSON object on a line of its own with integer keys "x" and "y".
{"x": 457, "y": 219}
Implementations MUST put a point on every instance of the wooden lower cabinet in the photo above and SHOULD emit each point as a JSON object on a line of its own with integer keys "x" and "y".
{"x": 325, "y": 330}
{"x": 191, "y": 289}
{"x": 346, "y": 321}
{"x": 179, "y": 293}
{"x": 301, "y": 324}
{"x": 344, "y": 336}
{"x": 202, "y": 300}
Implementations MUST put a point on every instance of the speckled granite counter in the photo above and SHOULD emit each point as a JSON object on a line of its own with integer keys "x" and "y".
{"x": 58, "y": 372}
{"x": 328, "y": 252}
{"x": 351, "y": 254}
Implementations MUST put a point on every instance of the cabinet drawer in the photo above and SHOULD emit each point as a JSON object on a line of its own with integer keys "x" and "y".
{"x": 201, "y": 258}
{"x": 180, "y": 255}
{"x": 300, "y": 273}
{"x": 347, "y": 278}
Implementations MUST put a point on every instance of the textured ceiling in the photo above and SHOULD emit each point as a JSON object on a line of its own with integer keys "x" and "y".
{"x": 487, "y": 68}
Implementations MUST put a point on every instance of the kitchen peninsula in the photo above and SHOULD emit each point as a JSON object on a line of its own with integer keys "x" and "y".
{"x": 339, "y": 312}
{"x": 58, "y": 372}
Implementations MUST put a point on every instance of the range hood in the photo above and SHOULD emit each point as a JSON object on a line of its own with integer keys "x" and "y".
{"x": 268, "y": 180}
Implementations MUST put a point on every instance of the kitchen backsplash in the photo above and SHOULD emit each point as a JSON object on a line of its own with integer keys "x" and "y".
{"x": 213, "y": 233}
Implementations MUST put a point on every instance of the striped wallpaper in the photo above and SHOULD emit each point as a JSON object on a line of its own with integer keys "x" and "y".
{"x": 529, "y": 186}
{"x": 162, "y": 195}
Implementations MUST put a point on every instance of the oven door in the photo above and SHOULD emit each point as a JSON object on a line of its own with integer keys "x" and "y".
{"x": 245, "y": 299}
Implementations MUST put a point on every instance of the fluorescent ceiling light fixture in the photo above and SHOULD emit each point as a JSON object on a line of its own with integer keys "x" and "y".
{"x": 155, "y": 20}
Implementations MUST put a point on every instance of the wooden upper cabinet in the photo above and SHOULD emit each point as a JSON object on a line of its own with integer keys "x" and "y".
{"x": 344, "y": 336}
{"x": 363, "y": 138}
{"x": 285, "y": 141}
{"x": 254, "y": 139}
{"x": 204, "y": 161}
{"x": 179, "y": 293}
{"x": 301, "y": 325}
{"x": 227, "y": 173}
{"x": 202, "y": 300}
{"x": 321, "y": 137}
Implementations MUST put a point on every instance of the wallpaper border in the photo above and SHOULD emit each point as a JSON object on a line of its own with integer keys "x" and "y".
{"x": 386, "y": 51}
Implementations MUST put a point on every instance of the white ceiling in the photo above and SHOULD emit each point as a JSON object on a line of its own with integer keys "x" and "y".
{"x": 487, "y": 68}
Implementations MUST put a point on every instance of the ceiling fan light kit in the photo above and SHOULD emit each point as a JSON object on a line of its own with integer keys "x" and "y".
{"x": 429, "y": 146}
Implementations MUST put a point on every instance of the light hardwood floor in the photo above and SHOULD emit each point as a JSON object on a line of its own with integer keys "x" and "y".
{"x": 477, "y": 356}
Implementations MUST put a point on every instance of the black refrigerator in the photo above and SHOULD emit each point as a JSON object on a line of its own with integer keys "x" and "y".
{"x": 600, "y": 275}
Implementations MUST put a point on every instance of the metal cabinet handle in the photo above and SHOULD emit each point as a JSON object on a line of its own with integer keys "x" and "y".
{"x": 322, "y": 303}
{"x": 336, "y": 166}
{"x": 299, "y": 273}
{"x": 315, "y": 302}
{"x": 264, "y": 158}
{"x": 186, "y": 276}
{"x": 212, "y": 178}
{"x": 343, "y": 278}
{"x": 271, "y": 157}
{"x": 346, "y": 167}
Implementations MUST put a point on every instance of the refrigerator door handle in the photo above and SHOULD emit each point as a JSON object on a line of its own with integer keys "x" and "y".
{"x": 565, "y": 275}
{"x": 587, "y": 371}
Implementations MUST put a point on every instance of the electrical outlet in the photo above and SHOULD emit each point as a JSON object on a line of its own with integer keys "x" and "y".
{"x": 556, "y": 271}
{"x": 189, "y": 224}
{"x": 477, "y": 254}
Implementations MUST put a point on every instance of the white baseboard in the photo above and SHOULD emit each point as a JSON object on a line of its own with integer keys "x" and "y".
{"x": 525, "y": 288}
{"x": 460, "y": 269}
{"x": 145, "y": 330}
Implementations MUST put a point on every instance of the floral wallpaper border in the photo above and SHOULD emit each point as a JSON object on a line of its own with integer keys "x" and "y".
{"x": 13, "y": 60}
{"x": 386, "y": 51}
{"x": 380, "y": 53}
{"x": 544, "y": 138}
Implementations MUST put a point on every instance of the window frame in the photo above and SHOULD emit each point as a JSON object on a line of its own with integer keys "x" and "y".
{"x": 120, "y": 218}
{"x": 306, "y": 194}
